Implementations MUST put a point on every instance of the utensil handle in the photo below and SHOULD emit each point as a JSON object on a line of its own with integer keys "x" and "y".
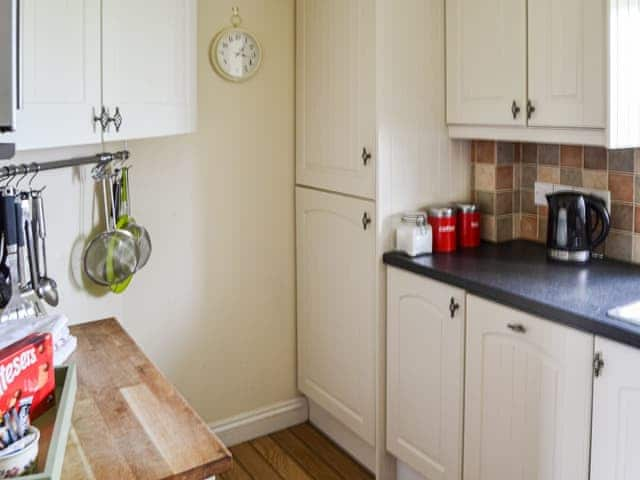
{"x": 17, "y": 207}
{"x": 10, "y": 224}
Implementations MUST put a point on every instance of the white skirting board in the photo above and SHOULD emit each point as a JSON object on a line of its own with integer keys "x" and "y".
{"x": 260, "y": 422}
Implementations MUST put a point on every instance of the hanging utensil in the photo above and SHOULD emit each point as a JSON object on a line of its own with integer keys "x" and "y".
{"x": 47, "y": 287}
{"x": 29, "y": 289}
{"x": 17, "y": 307}
{"x": 112, "y": 256}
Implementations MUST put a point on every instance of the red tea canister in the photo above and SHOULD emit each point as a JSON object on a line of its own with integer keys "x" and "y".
{"x": 468, "y": 225}
{"x": 443, "y": 223}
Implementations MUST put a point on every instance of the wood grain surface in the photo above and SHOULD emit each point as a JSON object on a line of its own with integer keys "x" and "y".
{"x": 129, "y": 422}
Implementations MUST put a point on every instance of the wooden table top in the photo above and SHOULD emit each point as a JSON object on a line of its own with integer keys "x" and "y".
{"x": 129, "y": 422}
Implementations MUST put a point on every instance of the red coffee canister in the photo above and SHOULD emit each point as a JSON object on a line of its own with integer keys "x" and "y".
{"x": 468, "y": 225}
{"x": 443, "y": 224}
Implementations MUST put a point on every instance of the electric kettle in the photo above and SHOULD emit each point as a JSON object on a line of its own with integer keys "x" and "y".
{"x": 577, "y": 224}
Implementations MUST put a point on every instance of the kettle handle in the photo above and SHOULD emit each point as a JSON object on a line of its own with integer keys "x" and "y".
{"x": 598, "y": 206}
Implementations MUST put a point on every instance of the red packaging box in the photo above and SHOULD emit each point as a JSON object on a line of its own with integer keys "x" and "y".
{"x": 26, "y": 370}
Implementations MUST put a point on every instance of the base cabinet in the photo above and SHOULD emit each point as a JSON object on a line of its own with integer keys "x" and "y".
{"x": 336, "y": 306}
{"x": 425, "y": 374}
{"x": 528, "y": 396}
{"x": 616, "y": 413}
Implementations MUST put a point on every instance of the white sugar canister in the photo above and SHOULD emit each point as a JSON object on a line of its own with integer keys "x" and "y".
{"x": 413, "y": 235}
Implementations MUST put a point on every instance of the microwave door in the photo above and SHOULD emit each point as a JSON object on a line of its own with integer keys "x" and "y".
{"x": 8, "y": 64}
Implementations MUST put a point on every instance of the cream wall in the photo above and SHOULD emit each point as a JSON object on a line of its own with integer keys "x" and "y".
{"x": 215, "y": 306}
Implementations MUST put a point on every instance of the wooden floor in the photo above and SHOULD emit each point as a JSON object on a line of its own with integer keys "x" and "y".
{"x": 298, "y": 453}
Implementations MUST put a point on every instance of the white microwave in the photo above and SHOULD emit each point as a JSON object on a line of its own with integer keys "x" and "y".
{"x": 8, "y": 71}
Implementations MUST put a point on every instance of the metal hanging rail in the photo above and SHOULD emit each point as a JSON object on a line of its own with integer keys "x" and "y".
{"x": 8, "y": 171}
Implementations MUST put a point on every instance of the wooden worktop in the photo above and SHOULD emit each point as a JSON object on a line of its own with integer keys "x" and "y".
{"x": 129, "y": 422}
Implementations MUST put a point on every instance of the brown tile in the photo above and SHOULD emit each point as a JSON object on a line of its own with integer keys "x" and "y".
{"x": 621, "y": 160}
{"x": 622, "y": 216}
{"x": 637, "y": 188}
{"x": 543, "y": 211}
{"x": 517, "y": 158}
{"x": 548, "y": 174}
{"x": 529, "y": 227}
{"x": 473, "y": 151}
{"x": 529, "y": 176}
{"x": 516, "y": 201}
{"x": 528, "y": 202}
{"x": 571, "y": 176}
{"x": 635, "y": 256}
{"x": 488, "y": 228}
{"x": 504, "y": 177}
{"x": 595, "y": 158}
{"x": 549, "y": 154}
{"x": 506, "y": 153}
{"x": 485, "y": 151}
{"x": 619, "y": 245}
{"x": 637, "y": 218}
{"x": 529, "y": 153}
{"x": 571, "y": 156}
{"x": 542, "y": 229}
{"x": 621, "y": 187}
{"x": 504, "y": 230}
{"x": 598, "y": 179}
{"x": 504, "y": 203}
{"x": 486, "y": 202}
{"x": 485, "y": 177}
{"x": 637, "y": 159}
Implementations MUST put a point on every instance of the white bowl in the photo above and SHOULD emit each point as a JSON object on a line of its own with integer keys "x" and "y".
{"x": 21, "y": 462}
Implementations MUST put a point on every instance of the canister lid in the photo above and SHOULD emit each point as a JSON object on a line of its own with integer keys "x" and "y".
{"x": 467, "y": 207}
{"x": 417, "y": 218}
{"x": 442, "y": 212}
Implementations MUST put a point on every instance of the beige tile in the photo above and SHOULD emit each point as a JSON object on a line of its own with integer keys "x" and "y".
{"x": 529, "y": 227}
{"x": 485, "y": 177}
{"x": 488, "y": 229}
{"x": 619, "y": 245}
{"x": 516, "y": 225}
{"x": 548, "y": 174}
{"x": 504, "y": 228}
{"x": 597, "y": 179}
{"x": 637, "y": 160}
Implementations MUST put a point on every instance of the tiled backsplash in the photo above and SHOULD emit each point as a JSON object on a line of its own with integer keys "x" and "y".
{"x": 504, "y": 177}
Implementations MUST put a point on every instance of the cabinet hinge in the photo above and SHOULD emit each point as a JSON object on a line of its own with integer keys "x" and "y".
{"x": 598, "y": 364}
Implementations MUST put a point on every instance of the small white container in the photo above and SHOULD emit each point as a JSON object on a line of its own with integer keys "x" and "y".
{"x": 414, "y": 236}
{"x": 23, "y": 461}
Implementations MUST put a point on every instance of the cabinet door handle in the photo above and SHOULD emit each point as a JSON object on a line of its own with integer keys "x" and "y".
{"x": 366, "y": 156}
{"x": 366, "y": 220}
{"x": 117, "y": 119}
{"x": 103, "y": 119}
{"x": 517, "y": 327}
{"x": 515, "y": 110}
{"x": 530, "y": 109}
{"x": 453, "y": 307}
{"x": 598, "y": 364}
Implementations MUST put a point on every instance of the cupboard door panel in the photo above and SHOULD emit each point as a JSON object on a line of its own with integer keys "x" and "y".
{"x": 528, "y": 397}
{"x": 486, "y": 61}
{"x": 60, "y": 74}
{"x": 616, "y": 414}
{"x": 336, "y": 307}
{"x": 335, "y": 86}
{"x": 425, "y": 375}
{"x": 567, "y": 70}
{"x": 149, "y": 66}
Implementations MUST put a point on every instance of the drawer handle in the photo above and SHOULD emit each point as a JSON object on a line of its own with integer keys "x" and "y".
{"x": 517, "y": 327}
{"x": 453, "y": 307}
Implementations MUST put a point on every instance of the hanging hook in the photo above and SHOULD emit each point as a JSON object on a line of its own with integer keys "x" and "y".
{"x": 24, "y": 174}
{"x": 11, "y": 174}
{"x": 36, "y": 171}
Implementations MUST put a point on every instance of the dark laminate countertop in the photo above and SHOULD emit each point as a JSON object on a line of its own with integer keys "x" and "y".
{"x": 518, "y": 274}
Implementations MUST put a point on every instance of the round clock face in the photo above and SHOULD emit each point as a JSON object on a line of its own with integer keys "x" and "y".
{"x": 236, "y": 54}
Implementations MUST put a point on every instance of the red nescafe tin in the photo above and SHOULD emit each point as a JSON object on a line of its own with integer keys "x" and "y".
{"x": 443, "y": 223}
{"x": 468, "y": 225}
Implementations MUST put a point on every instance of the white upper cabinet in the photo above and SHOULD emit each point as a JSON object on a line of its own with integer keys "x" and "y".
{"x": 336, "y": 95}
{"x": 616, "y": 413}
{"x": 581, "y": 64}
{"x": 336, "y": 306}
{"x": 567, "y": 81}
{"x": 486, "y": 62}
{"x": 425, "y": 374}
{"x": 59, "y": 74}
{"x": 528, "y": 397}
{"x": 149, "y": 66}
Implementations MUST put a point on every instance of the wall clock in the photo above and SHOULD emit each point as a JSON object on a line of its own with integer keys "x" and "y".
{"x": 235, "y": 53}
